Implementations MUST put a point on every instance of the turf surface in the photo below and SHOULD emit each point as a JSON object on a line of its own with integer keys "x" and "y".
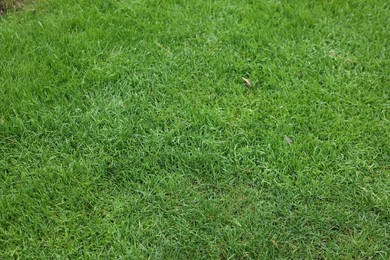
{"x": 126, "y": 130}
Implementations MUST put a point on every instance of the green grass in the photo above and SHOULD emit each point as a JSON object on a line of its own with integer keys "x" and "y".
{"x": 126, "y": 130}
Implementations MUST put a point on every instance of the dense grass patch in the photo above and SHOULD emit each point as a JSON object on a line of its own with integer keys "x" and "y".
{"x": 126, "y": 129}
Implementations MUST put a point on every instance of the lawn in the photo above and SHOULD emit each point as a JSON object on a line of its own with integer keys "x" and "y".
{"x": 127, "y": 131}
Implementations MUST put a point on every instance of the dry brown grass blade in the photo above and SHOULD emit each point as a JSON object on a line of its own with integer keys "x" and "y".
{"x": 275, "y": 244}
{"x": 333, "y": 54}
{"x": 247, "y": 82}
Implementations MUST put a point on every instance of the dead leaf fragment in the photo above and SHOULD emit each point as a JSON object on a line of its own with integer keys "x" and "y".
{"x": 288, "y": 140}
{"x": 247, "y": 82}
{"x": 275, "y": 244}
